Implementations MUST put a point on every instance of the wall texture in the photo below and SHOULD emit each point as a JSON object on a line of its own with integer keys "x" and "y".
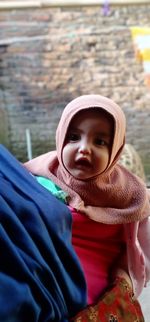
{"x": 50, "y": 56}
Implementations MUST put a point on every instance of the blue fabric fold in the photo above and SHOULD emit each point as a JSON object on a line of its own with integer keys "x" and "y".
{"x": 40, "y": 275}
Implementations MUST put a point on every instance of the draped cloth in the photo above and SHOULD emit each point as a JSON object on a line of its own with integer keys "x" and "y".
{"x": 40, "y": 275}
{"x": 117, "y": 305}
{"x": 141, "y": 42}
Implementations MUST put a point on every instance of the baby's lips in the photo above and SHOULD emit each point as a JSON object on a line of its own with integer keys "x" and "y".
{"x": 83, "y": 162}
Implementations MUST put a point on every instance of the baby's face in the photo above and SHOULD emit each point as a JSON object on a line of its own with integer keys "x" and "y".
{"x": 88, "y": 144}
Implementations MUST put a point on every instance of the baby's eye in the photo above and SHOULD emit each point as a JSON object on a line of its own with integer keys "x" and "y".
{"x": 73, "y": 137}
{"x": 100, "y": 141}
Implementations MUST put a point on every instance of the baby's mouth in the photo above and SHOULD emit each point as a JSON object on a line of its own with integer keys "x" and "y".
{"x": 83, "y": 162}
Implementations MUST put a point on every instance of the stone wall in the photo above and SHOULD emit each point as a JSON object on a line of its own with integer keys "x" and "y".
{"x": 49, "y": 56}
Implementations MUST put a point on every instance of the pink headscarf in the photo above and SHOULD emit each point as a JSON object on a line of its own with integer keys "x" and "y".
{"x": 113, "y": 197}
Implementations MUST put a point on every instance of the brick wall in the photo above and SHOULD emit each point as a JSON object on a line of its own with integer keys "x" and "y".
{"x": 49, "y": 56}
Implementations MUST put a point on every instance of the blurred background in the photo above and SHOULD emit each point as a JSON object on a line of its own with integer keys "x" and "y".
{"x": 53, "y": 51}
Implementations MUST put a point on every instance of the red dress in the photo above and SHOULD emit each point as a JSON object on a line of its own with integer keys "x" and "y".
{"x": 98, "y": 247}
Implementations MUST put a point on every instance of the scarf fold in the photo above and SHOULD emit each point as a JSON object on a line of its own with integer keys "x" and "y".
{"x": 112, "y": 197}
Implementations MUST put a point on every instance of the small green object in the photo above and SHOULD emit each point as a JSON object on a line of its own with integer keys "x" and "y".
{"x": 53, "y": 188}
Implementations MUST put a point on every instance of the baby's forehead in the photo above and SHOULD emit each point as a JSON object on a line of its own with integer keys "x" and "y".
{"x": 89, "y": 113}
{"x": 90, "y": 110}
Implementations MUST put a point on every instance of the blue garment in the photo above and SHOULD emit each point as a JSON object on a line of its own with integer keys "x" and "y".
{"x": 40, "y": 276}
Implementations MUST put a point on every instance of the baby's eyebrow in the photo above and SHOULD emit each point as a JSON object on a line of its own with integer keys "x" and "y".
{"x": 71, "y": 129}
{"x": 103, "y": 134}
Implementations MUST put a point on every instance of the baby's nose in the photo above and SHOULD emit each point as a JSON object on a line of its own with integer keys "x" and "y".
{"x": 84, "y": 148}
